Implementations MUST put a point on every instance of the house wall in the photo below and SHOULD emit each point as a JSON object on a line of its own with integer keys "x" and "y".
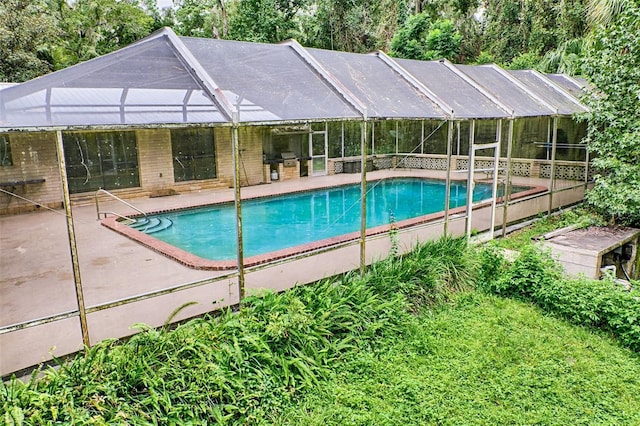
{"x": 34, "y": 157}
{"x": 251, "y": 170}
{"x": 154, "y": 159}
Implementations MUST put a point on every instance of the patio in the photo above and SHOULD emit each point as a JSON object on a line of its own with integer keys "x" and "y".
{"x": 37, "y": 279}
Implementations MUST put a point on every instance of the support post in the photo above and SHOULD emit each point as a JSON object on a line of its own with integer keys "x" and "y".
{"x": 496, "y": 171}
{"x": 507, "y": 184}
{"x": 238, "y": 203}
{"x": 470, "y": 182}
{"x": 72, "y": 240}
{"x": 447, "y": 189}
{"x": 554, "y": 143}
{"x": 363, "y": 198}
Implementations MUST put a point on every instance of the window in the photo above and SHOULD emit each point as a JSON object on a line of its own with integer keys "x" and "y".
{"x": 353, "y": 139}
{"x": 385, "y": 133}
{"x": 194, "y": 156}
{"x": 107, "y": 160}
{"x": 410, "y": 137}
{"x": 5, "y": 151}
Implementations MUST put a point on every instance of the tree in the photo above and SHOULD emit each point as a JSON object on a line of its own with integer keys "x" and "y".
{"x": 420, "y": 39}
{"x": 353, "y": 25}
{"x": 25, "y": 33}
{"x": 612, "y": 65}
{"x": 515, "y": 27}
{"x": 443, "y": 41}
{"x": 203, "y": 18}
{"x": 410, "y": 40}
{"x": 268, "y": 21}
{"x": 90, "y": 28}
{"x": 602, "y": 12}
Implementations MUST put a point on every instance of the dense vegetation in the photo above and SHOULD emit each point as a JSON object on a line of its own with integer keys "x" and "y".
{"x": 39, "y": 35}
{"x": 411, "y": 341}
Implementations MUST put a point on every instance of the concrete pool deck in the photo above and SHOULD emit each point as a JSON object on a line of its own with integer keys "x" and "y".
{"x": 36, "y": 278}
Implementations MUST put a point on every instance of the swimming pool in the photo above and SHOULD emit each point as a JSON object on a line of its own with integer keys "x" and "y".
{"x": 278, "y": 223}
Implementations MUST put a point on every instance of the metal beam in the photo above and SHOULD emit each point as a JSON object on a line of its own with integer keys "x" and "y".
{"x": 559, "y": 89}
{"x": 333, "y": 81}
{"x": 523, "y": 87}
{"x": 478, "y": 87}
{"x": 421, "y": 87}
{"x": 201, "y": 75}
{"x": 507, "y": 182}
{"x": 554, "y": 143}
{"x": 72, "y": 241}
{"x": 238, "y": 204}
{"x": 447, "y": 190}
{"x": 363, "y": 198}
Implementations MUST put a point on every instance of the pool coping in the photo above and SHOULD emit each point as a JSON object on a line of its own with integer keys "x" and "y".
{"x": 196, "y": 262}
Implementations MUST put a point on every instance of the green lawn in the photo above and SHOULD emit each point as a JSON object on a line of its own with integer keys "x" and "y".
{"x": 410, "y": 343}
{"x": 480, "y": 360}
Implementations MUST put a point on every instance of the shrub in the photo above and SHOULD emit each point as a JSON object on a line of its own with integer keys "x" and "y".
{"x": 535, "y": 277}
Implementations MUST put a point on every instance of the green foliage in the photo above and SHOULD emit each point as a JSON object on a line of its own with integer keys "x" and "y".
{"x": 531, "y": 271}
{"x": 442, "y": 41}
{"x": 267, "y": 21}
{"x": 353, "y": 25}
{"x": 484, "y": 58}
{"x": 613, "y": 66}
{"x": 25, "y": 33}
{"x": 90, "y": 28}
{"x": 352, "y": 343}
{"x": 198, "y": 18}
{"x": 421, "y": 39}
{"x": 527, "y": 60}
{"x": 566, "y": 58}
{"x": 481, "y": 360}
{"x": 535, "y": 277}
{"x": 430, "y": 273}
{"x": 408, "y": 42}
{"x": 514, "y": 28}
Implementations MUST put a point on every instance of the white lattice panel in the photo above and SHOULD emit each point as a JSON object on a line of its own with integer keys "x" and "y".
{"x": 521, "y": 169}
{"x": 563, "y": 171}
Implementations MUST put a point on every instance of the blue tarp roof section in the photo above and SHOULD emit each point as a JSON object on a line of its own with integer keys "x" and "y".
{"x": 385, "y": 93}
{"x": 270, "y": 76}
{"x": 549, "y": 91}
{"x": 465, "y": 99}
{"x": 145, "y": 83}
{"x": 167, "y": 80}
{"x": 507, "y": 90}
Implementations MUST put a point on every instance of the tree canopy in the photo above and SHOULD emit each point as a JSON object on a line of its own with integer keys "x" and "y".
{"x": 612, "y": 64}
{"x": 25, "y": 32}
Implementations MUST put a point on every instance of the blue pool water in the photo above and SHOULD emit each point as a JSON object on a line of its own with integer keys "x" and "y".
{"x": 276, "y": 223}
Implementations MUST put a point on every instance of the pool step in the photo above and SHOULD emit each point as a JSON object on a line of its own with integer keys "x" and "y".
{"x": 152, "y": 225}
{"x": 162, "y": 224}
{"x": 140, "y": 223}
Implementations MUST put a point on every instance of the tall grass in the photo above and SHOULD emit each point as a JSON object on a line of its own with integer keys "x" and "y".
{"x": 239, "y": 367}
{"x": 479, "y": 360}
